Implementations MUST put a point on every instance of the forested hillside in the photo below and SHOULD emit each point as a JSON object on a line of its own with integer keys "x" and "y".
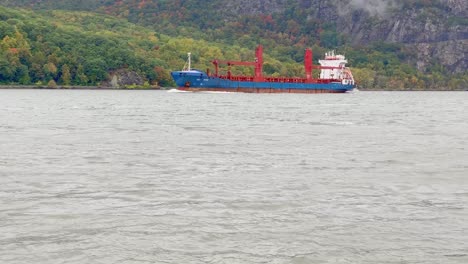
{"x": 82, "y": 48}
{"x": 415, "y": 44}
{"x": 70, "y": 48}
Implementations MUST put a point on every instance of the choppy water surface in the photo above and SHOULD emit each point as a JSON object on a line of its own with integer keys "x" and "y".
{"x": 160, "y": 177}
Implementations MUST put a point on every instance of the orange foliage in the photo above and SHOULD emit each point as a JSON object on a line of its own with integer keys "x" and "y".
{"x": 142, "y": 4}
{"x": 14, "y": 50}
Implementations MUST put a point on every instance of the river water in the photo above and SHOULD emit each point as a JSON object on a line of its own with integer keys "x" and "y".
{"x": 167, "y": 177}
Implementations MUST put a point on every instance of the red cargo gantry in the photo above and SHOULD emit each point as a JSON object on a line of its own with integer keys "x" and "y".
{"x": 258, "y": 65}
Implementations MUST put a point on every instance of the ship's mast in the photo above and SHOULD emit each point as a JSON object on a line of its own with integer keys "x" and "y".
{"x": 188, "y": 64}
{"x": 189, "y": 61}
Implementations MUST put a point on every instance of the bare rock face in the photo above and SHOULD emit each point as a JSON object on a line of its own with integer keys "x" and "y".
{"x": 433, "y": 33}
{"x": 411, "y": 26}
{"x": 122, "y": 78}
{"x": 249, "y": 7}
{"x": 458, "y": 7}
{"x": 451, "y": 54}
{"x": 412, "y": 29}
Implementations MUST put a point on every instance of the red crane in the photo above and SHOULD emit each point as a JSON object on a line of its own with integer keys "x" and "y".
{"x": 258, "y": 64}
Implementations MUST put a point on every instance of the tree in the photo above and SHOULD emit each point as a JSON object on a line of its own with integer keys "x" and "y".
{"x": 50, "y": 70}
{"x": 66, "y": 76}
{"x": 95, "y": 69}
{"x": 80, "y": 77}
{"x": 22, "y": 75}
{"x": 52, "y": 84}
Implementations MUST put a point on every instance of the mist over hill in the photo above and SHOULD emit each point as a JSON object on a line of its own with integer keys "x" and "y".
{"x": 385, "y": 37}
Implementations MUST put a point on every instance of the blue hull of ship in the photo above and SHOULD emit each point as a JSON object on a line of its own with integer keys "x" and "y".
{"x": 200, "y": 81}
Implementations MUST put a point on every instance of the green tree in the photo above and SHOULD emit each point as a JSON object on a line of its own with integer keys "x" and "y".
{"x": 80, "y": 76}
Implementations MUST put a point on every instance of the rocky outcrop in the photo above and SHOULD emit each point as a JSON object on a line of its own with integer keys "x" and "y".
{"x": 435, "y": 35}
{"x": 123, "y": 78}
{"x": 458, "y": 7}
{"x": 249, "y": 7}
{"x": 451, "y": 54}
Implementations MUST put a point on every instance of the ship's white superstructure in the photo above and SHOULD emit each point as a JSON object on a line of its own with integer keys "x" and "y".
{"x": 335, "y": 68}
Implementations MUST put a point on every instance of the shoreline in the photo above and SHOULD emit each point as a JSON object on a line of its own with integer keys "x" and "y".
{"x": 35, "y": 87}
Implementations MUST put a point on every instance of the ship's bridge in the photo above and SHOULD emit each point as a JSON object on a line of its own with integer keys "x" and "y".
{"x": 337, "y": 64}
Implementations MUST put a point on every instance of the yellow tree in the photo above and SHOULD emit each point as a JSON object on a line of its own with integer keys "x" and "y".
{"x": 66, "y": 76}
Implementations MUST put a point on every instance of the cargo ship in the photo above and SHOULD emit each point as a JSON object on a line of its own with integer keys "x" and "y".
{"x": 334, "y": 77}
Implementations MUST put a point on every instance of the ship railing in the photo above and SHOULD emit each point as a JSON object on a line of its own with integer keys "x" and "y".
{"x": 278, "y": 79}
{"x": 285, "y": 80}
{"x": 237, "y": 78}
